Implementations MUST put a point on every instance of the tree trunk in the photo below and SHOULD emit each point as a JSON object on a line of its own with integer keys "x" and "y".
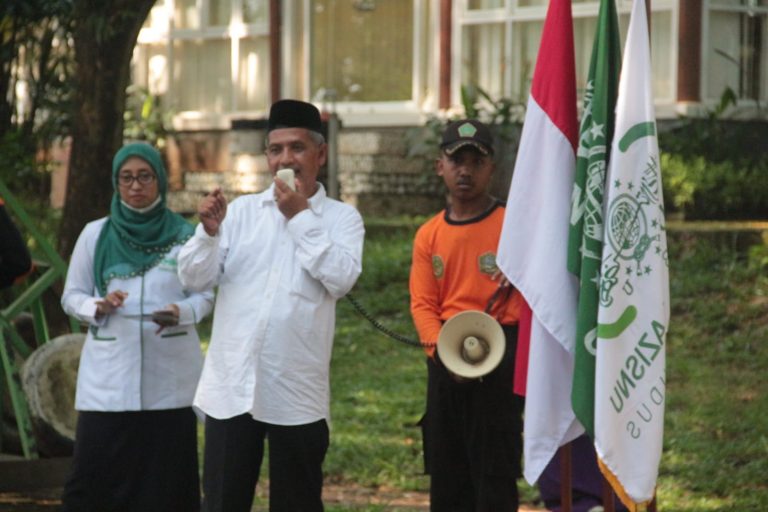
{"x": 105, "y": 34}
{"x": 8, "y": 56}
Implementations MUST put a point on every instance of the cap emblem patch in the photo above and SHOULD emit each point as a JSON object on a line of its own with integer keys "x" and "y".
{"x": 467, "y": 130}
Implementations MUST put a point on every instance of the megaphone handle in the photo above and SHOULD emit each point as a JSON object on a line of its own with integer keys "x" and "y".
{"x": 492, "y": 301}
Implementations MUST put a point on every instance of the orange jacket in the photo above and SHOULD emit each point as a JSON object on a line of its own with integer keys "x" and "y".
{"x": 451, "y": 272}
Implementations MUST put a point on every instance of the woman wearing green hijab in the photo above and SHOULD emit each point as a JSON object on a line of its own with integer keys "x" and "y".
{"x": 136, "y": 442}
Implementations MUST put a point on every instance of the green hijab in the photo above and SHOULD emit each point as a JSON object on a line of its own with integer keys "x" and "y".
{"x": 131, "y": 243}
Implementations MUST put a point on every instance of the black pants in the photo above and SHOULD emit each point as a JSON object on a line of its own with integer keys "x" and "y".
{"x": 234, "y": 449}
{"x": 472, "y": 438}
{"x": 137, "y": 461}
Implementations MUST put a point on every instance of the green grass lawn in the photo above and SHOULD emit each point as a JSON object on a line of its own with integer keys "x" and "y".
{"x": 716, "y": 433}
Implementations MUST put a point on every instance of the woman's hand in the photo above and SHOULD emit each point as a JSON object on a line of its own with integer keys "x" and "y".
{"x": 166, "y": 317}
{"x": 110, "y": 303}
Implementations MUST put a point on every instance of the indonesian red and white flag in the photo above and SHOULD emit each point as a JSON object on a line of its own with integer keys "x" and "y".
{"x": 532, "y": 250}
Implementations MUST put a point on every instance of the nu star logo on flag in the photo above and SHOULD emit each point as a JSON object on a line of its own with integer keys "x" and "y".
{"x": 467, "y": 130}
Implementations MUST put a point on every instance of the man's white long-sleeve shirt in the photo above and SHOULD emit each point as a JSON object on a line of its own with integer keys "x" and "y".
{"x": 278, "y": 282}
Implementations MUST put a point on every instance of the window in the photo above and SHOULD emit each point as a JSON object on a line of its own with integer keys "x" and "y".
{"x": 201, "y": 75}
{"x": 663, "y": 51}
{"x": 377, "y": 57}
{"x": 483, "y": 60}
{"x": 210, "y": 59}
{"x": 498, "y": 43}
{"x": 206, "y": 57}
{"x": 735, "y": 51}
{"x": 363, "y": 49}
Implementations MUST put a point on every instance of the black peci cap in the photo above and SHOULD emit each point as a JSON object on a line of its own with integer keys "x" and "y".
{"x": 294, "y": 114}
{"x": 467, "y": 132}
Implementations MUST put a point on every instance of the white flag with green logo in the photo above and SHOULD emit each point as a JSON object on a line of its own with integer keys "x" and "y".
{"x": 633, "y": 315}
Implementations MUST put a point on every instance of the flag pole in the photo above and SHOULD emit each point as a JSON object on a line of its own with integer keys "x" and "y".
{"x": 609, "y": 501}
{"x": 652, "y": 505}
{"x": 609, "y": 498}
{"x": 566, "y": 475}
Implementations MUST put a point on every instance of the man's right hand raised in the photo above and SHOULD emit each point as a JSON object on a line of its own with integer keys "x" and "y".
{"x": 212, "y": 210}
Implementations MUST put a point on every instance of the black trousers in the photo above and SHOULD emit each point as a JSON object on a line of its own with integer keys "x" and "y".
{"x": 472, "y": 433}
{"x": 234, "y": 449}
{"x": 135, "y": 461}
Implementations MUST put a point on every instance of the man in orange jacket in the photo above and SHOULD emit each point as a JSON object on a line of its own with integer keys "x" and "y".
{"x": 471, "y": 428}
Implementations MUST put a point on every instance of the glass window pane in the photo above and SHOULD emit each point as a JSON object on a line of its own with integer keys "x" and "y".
{"x": 219, "y": 12}
{"x": 255, "y": 11}
{"x": 661, "y": 57}
{"x": 737, "y": 55}
{"x": 202, "y": 76}
{"x": 253, "y": 76}
{"x": 186, "y": 14}
{"x": 294, "y": 85}
{"x": 583, "y": 40}
{"x": 363, "y": 49}
{"x": 753, "y": 56}
{"x": 722, "y": 54}
{"x": 429, "y": 66}
{"x": 158, "y": 17}
{"x": 761, "y": 59}
{"x": 150, "y": 68}
{"x": 738, "y": 3}
{"x": 533, "y": 3}
{"x": 482, "y": 59}
{"x": 484, "y": 4}
{"x": 526, "y": 39}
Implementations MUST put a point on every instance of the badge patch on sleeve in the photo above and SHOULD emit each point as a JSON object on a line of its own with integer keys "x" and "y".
{"x": 169, "y": 264}
{"x": 487, "y": 263}
{"x": 438, "y": 267}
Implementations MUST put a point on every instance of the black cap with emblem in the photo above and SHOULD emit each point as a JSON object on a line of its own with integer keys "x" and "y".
{"x": 467, "y": 132}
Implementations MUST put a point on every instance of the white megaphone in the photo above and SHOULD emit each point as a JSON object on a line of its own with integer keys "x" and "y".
{"x": 471, "y": 344}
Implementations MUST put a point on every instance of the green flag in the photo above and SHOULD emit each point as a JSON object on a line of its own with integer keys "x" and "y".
{"x": 585, "y": 240}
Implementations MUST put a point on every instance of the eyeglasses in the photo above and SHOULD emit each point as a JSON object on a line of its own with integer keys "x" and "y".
{"x": 126, "y": 180}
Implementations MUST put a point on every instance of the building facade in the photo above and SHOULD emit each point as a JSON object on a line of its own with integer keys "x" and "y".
{"x": 385, "y": 66}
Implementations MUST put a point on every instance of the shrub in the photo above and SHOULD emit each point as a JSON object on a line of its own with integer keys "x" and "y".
{"x": 706, "y": 190}
{"x": 716, "y": 169}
